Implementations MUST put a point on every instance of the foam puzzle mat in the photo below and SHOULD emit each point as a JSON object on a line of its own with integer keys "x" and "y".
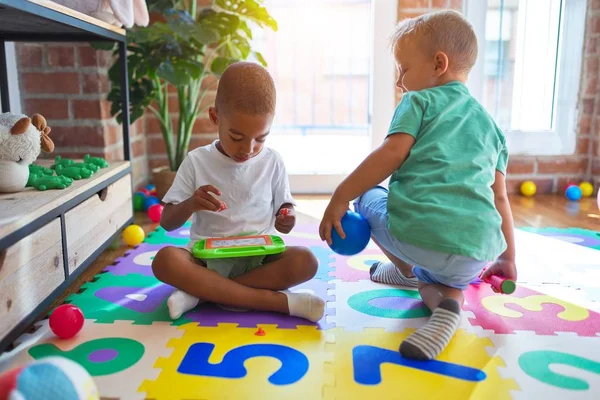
{"x": 541, "y": 342}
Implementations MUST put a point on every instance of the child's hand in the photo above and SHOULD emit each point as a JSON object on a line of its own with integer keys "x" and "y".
{"x": 502, "y": 267}
{"x": 203, "y": 199}
{"x": 332, "y": 219}
{"x": 286, "y": 220}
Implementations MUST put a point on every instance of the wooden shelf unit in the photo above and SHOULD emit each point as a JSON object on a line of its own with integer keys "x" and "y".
{"x": 48, "y": 238}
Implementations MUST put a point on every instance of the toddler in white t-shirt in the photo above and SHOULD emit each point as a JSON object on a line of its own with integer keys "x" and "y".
{"x": 236, "y": 187}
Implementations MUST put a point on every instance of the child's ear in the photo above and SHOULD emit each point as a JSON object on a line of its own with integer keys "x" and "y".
{"x": 441, "y": 62}
{"x": 213, "y": 115}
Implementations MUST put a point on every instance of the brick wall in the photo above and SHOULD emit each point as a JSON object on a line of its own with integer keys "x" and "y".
{"x": 552, "y": 173}
{"x": 68, "y": 84}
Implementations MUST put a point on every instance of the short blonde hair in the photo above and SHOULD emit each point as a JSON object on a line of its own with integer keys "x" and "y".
{"x": 246, "y": 87}
{"x": 446, "y": 31}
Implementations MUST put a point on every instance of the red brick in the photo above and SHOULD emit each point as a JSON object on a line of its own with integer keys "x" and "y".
{"x": 585, "y": 124}
{"x": 211, "y": 82}
{"x": 29, "y": 55}
{"x": 63, "y": 56}
{"x": 95, "y": 82}
{"x": 113, "y": 134}
{"x": 138, "y": 148}
{"x": 208, "y": 100}
{"x": 115, "y": 154}
{"x": 73, "y": 136}
{"x": 204, "y": 125}
{"x": 413, "y": 4}
{"x": 439, "y": 3}
{"x": 583, "y": 145}
{"x": 591, "y": 46}
{"x": 456, "y": 4}
{"x": 595, "y": 4}
{"x": 89, "y": 57}
{"x": 596, "y": 25}
{"x": 200, "y": 140}
{"x": 49, "y": 108}
{"x": 152, "y": 124}
{"x": 562, "y": 165}
{"x": 51, "y": 83}
{"x": 543, "y": 185}
{"x": 596, "y": 167}
{"x": 596, "y": 148}
{"x": 592, "y": 85}
{"x": 588, "y": 106}
{"x": 156, "y": 145}
{"x": 157, "y": 162}
{"x": 521, "y": 166}
{"x": 91, "y": 109}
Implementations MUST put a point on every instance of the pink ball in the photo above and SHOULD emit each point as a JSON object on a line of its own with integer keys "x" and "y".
{"x": 154, "y": 212}
{"x": 66, "y": 321}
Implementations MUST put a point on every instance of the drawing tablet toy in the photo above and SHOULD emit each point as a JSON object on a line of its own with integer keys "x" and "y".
{"x": 244, "y": 246}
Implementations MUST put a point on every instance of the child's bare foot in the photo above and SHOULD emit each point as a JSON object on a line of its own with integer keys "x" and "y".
{"x": 388, "y": 273}
{"x": 179, "y": 302}
{"x": 432, "y": 338}
{"x": 305, "y": 305}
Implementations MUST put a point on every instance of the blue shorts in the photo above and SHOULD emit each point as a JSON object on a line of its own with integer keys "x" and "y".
{"x": 429, "y": 266}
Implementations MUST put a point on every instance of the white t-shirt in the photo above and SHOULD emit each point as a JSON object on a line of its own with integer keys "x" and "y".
{"x": 253, "y": 192}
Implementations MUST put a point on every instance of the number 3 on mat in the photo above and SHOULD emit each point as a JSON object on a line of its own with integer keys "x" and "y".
{"x": 294, "y": 364}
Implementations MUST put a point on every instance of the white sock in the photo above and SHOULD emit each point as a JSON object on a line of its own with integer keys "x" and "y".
{"x": 180, "y": 302}
{"x": 305, "y": 305}
{"x": 388, "y": 273}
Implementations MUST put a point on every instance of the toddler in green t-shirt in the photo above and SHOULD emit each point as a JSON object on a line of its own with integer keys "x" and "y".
{"x": 446, "y": 214}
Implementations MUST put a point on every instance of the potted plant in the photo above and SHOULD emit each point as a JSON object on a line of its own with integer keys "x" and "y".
{"x": 182, "y": 46}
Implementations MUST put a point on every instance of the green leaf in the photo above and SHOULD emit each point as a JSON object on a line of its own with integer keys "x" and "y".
{"x": 250, "y": 9}
{"x": 259, "y": 57}
{"x": 220, "y": 64}
{"x": 246, "y": 29}
{"x": 173, "y": 73}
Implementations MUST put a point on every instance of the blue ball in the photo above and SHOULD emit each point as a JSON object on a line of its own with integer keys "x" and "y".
{"x": 358, "y": 234}
{"x": 149, "y": 201}
{"x": 573, "y": 193}
{"x": 150, "y": 186}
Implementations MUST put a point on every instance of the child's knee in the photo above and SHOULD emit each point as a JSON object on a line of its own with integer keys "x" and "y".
{"x": 161, "y": 261}
{"x": 304, "y": 262}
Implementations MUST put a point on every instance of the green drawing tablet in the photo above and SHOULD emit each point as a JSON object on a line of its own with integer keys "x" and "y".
{"x": 243, "y": 246}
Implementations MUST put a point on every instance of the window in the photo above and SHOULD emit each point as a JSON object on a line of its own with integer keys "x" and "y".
{"x": 528, "y": 71}
{"x": 321, "y": 61}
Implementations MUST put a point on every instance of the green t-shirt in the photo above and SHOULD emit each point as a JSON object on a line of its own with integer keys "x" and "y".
{"x": 441, "y": 198}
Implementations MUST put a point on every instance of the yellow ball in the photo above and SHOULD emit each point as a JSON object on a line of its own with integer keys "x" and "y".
{"x": 528, "y": 188}
{"x": 586, "y": 189}
{"x": 133, "y": 235}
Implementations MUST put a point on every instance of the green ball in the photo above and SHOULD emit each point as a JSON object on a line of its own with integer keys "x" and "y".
{"x": 138, "y": 201}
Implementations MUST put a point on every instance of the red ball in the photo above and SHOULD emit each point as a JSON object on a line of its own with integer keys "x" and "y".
{"x": 569, "y": 185}
{"x": 145, "y": 191}
{"x": 66, "y": 321}
{"x": 154, "y": 212}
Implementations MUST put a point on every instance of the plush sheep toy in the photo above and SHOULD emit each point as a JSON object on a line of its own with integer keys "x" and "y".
{"x": 21, "y": 140}
{"x": 124, "y": 13}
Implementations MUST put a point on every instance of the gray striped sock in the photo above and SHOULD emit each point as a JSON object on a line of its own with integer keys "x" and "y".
{"x": 430, "y": 340}
{"x": 388, "y": 273}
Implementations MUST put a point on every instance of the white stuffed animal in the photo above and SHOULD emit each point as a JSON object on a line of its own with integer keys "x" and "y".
{"x": 116, "y": 12}
{"x": 21, "y": 140}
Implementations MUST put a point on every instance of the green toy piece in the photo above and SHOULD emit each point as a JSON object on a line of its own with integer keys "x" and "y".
{"x": 40, "y": 170}
{"x": 99, "y": 162}
{"x": 73, "y": 171}
{"x": 45, "y": 182}
{"x": 65, "y": 162}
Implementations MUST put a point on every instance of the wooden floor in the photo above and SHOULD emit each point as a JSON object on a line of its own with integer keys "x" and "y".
{"x": 541, "y": 211}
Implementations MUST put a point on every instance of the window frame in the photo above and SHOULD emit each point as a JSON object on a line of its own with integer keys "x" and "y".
{"x": 562, "y": 138}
